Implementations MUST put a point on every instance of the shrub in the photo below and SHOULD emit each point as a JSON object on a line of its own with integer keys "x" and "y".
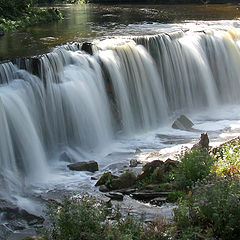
{"x": 227, "y": 160}
{"x": 76, "y": 218}
{"x": 194, "y": 165}
{"x": 213, "y": 206}
{"x": 86, "y": 218}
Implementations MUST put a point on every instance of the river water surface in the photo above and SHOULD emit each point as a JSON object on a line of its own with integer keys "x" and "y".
{"x": 88, "y": 22}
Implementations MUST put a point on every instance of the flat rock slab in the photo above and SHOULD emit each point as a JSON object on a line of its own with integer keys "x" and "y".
{"x": 90, "y": 166}
{"x": 115, "y": 196}
{"x": 148, "y": 195}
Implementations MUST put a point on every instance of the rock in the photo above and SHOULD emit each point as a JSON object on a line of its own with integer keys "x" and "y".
{"x": 112, "y": 182}
{"x": 182, "y": 123}
{"x": 106, "y": 179}
{"x": 127, "y": 191}
{"x": 169, "y": 164}
{"x": 204, "y": 141}
{"x": 126, "y": 180}
{"x": 66, "y": 157}
{"x": 31, "y": 218}
{"x": 133, "y": 163}
{"x": 138, "y": 151}
{"x": 1, "y": 32}
{"x": 90, "y": 166}
{"x": 103, "y": 188}
{"x": 149, "y": 168}
{"x": 16, "y": 224}
{"x": 13, "y": 212}
{"x": 115, "y": 196}
{"x": 146, "y": 196}
{"x": 158, "y": 201}
{"x": 4, "y": 232}
{"x": 87, "y": 47}
{"x": 94, "y": 178}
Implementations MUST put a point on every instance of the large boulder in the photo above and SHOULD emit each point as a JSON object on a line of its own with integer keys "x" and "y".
{"x": 1, "y": 32}
{"x": 90, "y": 166}
{"x": 203, "y": 142}
{"x": 126, "y": 180}
{"x": 182, "y": 123}
{"x": 149, "y": 168}
{"x": 106, "y": 179}
{"x": 169, "y": 164}
{"x": 13, "y": 212}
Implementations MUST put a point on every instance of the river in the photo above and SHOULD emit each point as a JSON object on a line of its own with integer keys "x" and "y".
{"x": 89, "y": 22}
{"x": 150, "y": 65}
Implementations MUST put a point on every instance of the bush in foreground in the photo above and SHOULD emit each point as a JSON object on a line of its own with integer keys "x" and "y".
{"x": 212, "y": 209}
{"x": 86, "y": 218}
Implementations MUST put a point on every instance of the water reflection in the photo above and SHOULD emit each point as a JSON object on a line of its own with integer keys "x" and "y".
{"x": 88, "y": 22}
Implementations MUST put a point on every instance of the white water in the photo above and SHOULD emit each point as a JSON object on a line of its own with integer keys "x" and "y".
{"x": 114, "y": 101}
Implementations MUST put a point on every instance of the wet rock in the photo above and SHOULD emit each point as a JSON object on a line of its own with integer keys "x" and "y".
{"x": 106, "y": 179}
{"x": 103, "y": 188}
{"x": 13, "y": 212}
{"x": 126, "y": 180}
{"x": 138, "y": 150}
{"x": 146, "y": 196}
{"x": 94, "y": 178}
{"x": 203, "y": 142}
{"x": 90, "y": 166}
{"x": 87, "y": 47}
{"x": 4, "y": 232}
{"x": 127, "y": 191}
{"x": 133, "y": 163}
{"x": 1, "y": 32}
{"x": 169, "y": 164}
{"x": 182, "y": 123}
{"x": 115, "y": 196}
{"x": 16, "y": 225}
{"x": 112, "y": 182}
{"x": 159, "y": 201}
{"x": 149, "y": 168}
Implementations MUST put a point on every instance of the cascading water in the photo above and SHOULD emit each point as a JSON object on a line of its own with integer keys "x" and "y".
{"x": 81, "y": 103}
{"x": 138, "y": 92}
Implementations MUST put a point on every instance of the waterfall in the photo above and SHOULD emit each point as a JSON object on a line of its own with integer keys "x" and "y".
{"x": 138, "y": 92}
{"x": 70, "y": 100}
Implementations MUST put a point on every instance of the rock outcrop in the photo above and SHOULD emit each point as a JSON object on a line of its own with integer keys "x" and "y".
{"x": 90, "y": 166}
{"x": 182, "y": 123}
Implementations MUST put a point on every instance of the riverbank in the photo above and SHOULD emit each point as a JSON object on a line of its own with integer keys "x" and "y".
{"x": 204, "y": 186}
{"x": 31, "y": 17}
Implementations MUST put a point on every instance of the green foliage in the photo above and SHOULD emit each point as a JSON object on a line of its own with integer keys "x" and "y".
{"x": 175, "y": 196}
{"x": 227, "y": 160}
{"x": 76, "y": 218}
{"x": 32, "y": 17}
{"x": 194, "y": 165}
{"x": 14, "y": 8}
{"x": 213, "y": 209}
{"x": 106, "y": 179}
{"x": 86, "y": 218}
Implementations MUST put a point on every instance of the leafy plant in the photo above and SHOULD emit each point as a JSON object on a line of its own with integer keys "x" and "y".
{"x": 213, "y": 207}
{"x": 227, "y": 160}
{"x": 194, "y": 165}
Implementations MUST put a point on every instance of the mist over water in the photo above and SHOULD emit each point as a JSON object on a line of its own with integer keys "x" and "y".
{"x": 130, "y": 90}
